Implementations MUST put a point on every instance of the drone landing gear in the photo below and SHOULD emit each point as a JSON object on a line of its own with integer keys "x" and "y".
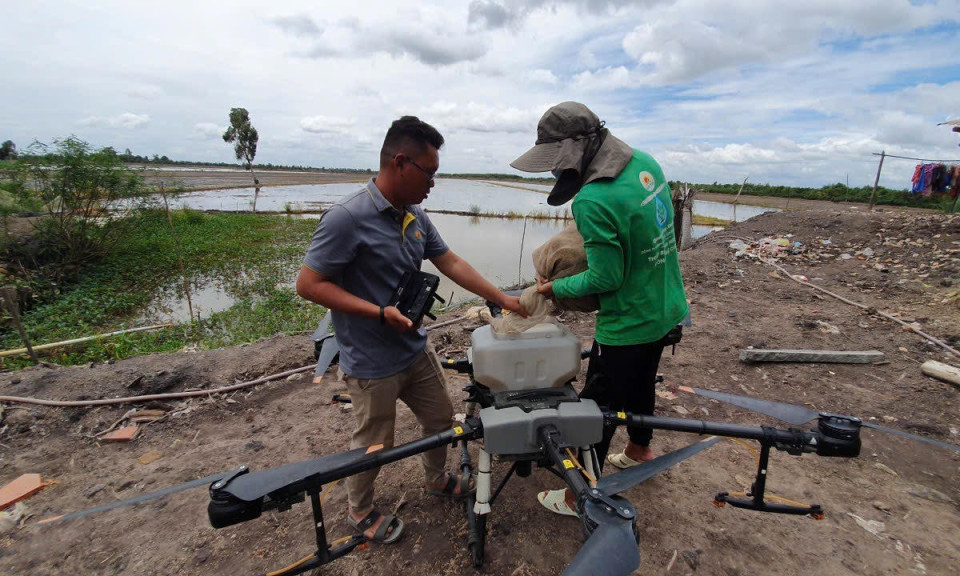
{"x": 754, "y": 500}
{"x": 476, "y": 523}
{"x": 326, "y": 552}
{"x": 477, "y": 513}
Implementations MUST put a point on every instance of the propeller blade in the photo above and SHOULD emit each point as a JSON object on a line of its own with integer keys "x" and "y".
{"x": 953, "y": 447}
{"x": 610, "y": 551}
{"x": 254, "y": 485}
{"x": 798, "y": 415}
{"x": 323, "y": 328}
{"x": 789, "y": 413}
{"x": 626, "y": 479}
{"x": 138, "y": 499}
{"x": 328, "y": 351}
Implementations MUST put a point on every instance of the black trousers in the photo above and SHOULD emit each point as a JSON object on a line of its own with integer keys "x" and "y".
{"x": 623, "y": 378}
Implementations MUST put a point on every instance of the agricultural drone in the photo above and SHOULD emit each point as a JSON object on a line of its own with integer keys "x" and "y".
{"x": 523, "y": 406}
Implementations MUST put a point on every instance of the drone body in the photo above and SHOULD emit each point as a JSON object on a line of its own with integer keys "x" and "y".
{"x": 522, "y": 405}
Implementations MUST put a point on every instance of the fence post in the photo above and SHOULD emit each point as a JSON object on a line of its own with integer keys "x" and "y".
{"x": 873, "y": 196}
{"x": 10, "y": 300}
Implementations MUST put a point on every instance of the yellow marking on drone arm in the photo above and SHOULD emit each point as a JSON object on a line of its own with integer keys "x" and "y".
{"x": 457, "y": 430}
{"x": 568, "y": 464}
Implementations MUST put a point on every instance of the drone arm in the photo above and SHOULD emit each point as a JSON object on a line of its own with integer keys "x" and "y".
{"x": 550, "y": 440}
{"x": 834, "y": 437}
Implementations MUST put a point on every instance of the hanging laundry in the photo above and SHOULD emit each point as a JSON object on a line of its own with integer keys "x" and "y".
{"x": 926, "y": 179}
{"x": 916, "y": 179}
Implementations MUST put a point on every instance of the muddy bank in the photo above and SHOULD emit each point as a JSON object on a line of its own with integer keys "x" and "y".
{"x": 906, "y": 493}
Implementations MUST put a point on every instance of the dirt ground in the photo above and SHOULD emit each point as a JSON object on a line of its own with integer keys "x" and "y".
{"x": 893, "y": 510}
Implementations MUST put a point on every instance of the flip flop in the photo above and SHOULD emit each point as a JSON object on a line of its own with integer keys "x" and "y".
{"x": 449, "y": 489}
{"x": 554, "y": 501}
{"x": 380, "y": 536}
{"x": 622, "y": 461}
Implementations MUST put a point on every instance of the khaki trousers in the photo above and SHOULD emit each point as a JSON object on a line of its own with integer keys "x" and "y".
{"x": 421, "y": 388}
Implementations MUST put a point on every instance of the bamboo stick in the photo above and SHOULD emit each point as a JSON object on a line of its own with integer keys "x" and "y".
{"x": 10, "y": 299}
{"x": 18, "y": 351}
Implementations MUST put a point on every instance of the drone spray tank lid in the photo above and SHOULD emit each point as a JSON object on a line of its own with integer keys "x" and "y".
{"x": 544, "y": 356}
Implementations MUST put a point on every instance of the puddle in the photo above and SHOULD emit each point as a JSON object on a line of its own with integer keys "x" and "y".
{"x": 172, "y": 306}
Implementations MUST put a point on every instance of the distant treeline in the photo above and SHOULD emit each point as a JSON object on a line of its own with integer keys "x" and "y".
{"x": 156, "y": 159}
{"x": 834, "y": 193}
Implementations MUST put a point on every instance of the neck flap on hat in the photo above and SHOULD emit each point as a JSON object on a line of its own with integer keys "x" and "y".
{"x": 581, "y": 161}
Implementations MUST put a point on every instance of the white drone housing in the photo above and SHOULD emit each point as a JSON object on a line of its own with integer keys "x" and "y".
{"x": 527, "y": 373}
{"x": 545, "y": 356}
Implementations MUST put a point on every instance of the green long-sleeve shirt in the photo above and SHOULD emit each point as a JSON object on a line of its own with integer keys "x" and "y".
{"x": 632, "y": 265}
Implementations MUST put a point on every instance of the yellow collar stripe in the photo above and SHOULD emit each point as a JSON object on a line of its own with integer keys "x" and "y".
{"x": 408, "y": 217}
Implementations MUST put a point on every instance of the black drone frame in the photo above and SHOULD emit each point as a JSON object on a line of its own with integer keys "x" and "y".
{"x": 608, "y": 519}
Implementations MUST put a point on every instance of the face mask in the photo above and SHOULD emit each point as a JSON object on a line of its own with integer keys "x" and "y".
{"x": 567, "y": 186}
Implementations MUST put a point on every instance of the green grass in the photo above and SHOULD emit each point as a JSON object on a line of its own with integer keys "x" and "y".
{"x": 710, "y": 221}
{"x": 834, "y": 193}
{"x": 252, "y": 256}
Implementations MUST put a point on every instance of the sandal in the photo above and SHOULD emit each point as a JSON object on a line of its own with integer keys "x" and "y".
{"x": 555, "y": 501}
{"x": 458, "y": 486}
{"x": 380, "y": 536}
{"x": 622, "y": 461}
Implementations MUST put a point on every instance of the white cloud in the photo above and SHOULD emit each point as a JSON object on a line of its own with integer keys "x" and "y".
{"x": 799, "y": 93}
{"x": 146, "y": 92}
{"x": 691, "y": 38}
{"x": 604, "y": 79}
{"x": 208, "y": 130}
{"x": 126, "y": 121}
{"x": 477, "y": 117}
{"x": 543, "y": 76}
{"x": 300, "y": 25}
{"x": 327, "y": 124}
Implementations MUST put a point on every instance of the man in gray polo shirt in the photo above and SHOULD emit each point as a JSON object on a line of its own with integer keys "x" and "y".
{"x": 360, "y": 250}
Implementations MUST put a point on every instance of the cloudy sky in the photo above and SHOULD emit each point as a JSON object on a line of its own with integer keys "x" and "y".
{"x": 783, "y": 92}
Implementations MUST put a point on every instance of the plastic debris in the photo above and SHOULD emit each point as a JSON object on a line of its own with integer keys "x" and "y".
{"x": 122, "y": 435}
{"x": 23, "y": 487}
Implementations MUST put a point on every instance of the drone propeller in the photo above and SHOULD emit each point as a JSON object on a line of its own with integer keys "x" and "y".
{"x": 323, "y": 328}
{"x": 329, "y": 350}
{"x": 142, "y": 498}
{"x": 611, "y": 550}
{"x": 923, "y": 439}
{"x": 617, "y": 483}
{"x": 326, "y": 347}
{"x": 789, "y": 413}
{"x": 798, "y": 415}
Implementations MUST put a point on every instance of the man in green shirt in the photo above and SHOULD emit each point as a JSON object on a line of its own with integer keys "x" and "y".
{"x": 623, "y": 209}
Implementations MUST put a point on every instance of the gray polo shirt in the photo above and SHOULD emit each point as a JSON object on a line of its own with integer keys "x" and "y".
{"x": 364, "y": 245}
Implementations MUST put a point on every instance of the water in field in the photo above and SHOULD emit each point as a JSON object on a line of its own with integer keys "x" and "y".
{"x": 498, "y": 247}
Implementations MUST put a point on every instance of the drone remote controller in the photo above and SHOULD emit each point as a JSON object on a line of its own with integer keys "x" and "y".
{"x": 415, "y": 294}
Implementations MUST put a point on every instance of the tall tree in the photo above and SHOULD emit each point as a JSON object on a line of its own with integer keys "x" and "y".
{"x": 244, "y": 137}
{"x": 8, "y": 150}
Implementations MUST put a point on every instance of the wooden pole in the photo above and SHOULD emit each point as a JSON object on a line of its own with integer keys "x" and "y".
{"x": 176, "y": 240}
{"x": 740, "y": 191}
{"x": 520, "y": 262}
{"x": 17, "y": 351}
{"x": 873, "y": 196}
{"x": 10, "y": 299}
